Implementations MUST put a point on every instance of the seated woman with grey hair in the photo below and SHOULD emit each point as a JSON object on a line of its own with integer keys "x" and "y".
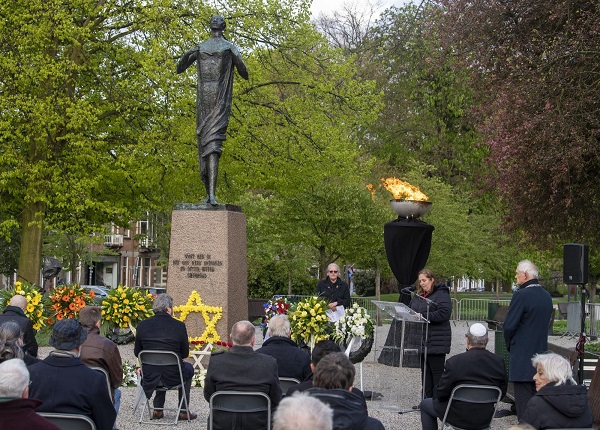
{"x": 11, "y": 343}
{"x": 559, "y": 401}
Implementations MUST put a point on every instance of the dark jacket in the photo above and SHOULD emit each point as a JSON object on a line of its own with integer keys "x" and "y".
{"x": 102, "y": 352}
{"x": 19, "y": 414}
{"x": 16, "y": 314}
{"x": 67, "y": 385}
{"x": 440, "y": 333}
{"x": 242, "y": 369}
{"x": 165, "y": 333}
{"x": 292, "y": 362}
{"x": 526, "y": 328}
{"x": 476, "y": 366}
{"x": 334, "y": 292}
{"x": 349, "y": 410}
{"x": 559, "y": 406}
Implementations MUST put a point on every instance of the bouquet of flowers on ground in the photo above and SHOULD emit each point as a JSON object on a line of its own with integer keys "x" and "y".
{"x": 276, "y": 306}
{"x": 67, "y": 301}
{"x": 35, "y": 306}
{"x": 355, "y": 323}
{"x": 198, "y": 378}
{"x": 126, "y": 307}
{"x": 130, "y": 374}
{"x": 309, "y": 322}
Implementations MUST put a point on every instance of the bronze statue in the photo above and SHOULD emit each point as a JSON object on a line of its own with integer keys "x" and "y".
{"x": 215, "y": 58}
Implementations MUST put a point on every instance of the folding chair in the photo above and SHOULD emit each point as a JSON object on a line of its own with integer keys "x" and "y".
{"x": 474, "y": 394}
{"x": 239, "y": 402}
{"x": 105, "y": 373}
{"x": 287, "y": 383}
{"x": 163, "y": 358}
{"x": 69, "y": 421}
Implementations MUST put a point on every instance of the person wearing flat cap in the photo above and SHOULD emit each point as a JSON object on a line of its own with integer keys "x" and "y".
{"x": 475, "y": 366}
{"x": 64, "y": 384}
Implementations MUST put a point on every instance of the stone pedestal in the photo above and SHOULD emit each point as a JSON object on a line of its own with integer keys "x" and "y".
{"x": 208, "y": 255}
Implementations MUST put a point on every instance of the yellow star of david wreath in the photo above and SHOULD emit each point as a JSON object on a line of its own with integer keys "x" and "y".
{"x": 194, "y": 304}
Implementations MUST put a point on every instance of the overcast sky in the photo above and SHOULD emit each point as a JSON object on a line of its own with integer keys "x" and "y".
{"x": 329, "y": 6}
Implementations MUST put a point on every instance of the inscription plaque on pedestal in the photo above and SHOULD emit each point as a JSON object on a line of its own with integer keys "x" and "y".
{"x": 208, "y": 255}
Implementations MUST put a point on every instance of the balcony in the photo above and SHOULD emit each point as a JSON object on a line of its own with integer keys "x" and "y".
{"x": 113, "y": 240}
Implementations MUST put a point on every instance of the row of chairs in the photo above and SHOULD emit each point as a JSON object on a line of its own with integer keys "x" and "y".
{"x": 227, "y": 401}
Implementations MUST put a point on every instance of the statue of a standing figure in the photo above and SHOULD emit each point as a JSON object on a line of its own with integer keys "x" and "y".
{"x": 215, "y": 58}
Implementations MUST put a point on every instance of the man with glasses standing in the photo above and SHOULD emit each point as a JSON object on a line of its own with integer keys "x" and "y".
{"x": 333, "y": 289}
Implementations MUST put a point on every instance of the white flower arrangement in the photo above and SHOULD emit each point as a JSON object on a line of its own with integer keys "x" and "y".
{"x": 130, "y": 374}
{"x": 198, "y": 378}
{"x": 355, "y": 323}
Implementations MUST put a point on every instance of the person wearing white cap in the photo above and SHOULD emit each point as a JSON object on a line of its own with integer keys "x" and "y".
{"x": 475, "y": 366}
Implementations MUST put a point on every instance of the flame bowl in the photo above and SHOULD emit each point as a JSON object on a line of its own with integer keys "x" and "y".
{"x": 410, "y": 208}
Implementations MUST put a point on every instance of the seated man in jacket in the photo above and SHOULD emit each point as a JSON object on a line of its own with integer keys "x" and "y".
{"x": 242, "y": 369}
{"x": 163, "y": 332}
{"x": 67, "y": 385}
{"x": 99, "y": 351}
{"x": 292, "y": 362}
{"x": 333, "y": 379}
{"x": 476, "y": 366}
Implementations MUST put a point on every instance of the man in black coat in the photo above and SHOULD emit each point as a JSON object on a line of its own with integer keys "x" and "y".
{"x": 64, "y": 384}
{"x": 476, "y": 366}
{"x": 292, "y": 362}
{"x": 526, "y": 331}
{"x": 333, "y": 289}
{"x": 242, "y": 369}
{"x": 165, "y": 333}
{"x": 15, "y": 311}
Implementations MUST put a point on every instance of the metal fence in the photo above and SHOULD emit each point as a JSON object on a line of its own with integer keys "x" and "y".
{"x": 476, "y": 309}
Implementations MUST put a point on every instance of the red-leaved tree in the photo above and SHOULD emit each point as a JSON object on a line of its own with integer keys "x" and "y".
{"x": 536, "y": 70}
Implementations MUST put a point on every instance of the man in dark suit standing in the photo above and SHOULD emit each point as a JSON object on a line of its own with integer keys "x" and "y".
{"x": 15, "y": 311}
{"x": 476, "y": 366}
{"x": 526, "y": 331}
{"x": 242, "y": 369}
{"x": 163, "y": 332}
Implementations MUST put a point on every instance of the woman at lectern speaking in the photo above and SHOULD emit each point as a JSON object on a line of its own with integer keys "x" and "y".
{"x": 432, "y": 301}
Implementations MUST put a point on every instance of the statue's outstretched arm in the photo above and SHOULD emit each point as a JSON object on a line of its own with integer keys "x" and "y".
{"x": 187, "y": 60}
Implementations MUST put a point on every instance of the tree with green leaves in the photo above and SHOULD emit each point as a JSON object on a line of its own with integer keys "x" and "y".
{"x": 97, "y": 127}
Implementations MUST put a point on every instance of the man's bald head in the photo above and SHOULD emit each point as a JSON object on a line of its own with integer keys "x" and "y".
{"x": 18, "y": 301}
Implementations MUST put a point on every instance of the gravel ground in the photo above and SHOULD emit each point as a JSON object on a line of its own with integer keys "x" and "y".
{"x": 401, "y": 387}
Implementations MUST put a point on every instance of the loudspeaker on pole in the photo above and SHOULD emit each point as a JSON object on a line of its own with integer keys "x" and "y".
{"x": 575, "y": 263}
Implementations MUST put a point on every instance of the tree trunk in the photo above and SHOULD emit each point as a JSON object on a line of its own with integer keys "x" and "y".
{"x": 31, "y": 243}
{"x": 289, "y": 282}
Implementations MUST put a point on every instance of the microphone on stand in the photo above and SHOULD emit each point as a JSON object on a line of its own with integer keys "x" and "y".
{"x": 408, "y": 290}
{"x": 424, "y": 298}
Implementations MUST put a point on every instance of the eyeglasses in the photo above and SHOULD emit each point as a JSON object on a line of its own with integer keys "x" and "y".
{"x": 333, "y": 271}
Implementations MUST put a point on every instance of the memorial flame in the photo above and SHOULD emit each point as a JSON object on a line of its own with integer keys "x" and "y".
{"x": 403, "y": 190}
